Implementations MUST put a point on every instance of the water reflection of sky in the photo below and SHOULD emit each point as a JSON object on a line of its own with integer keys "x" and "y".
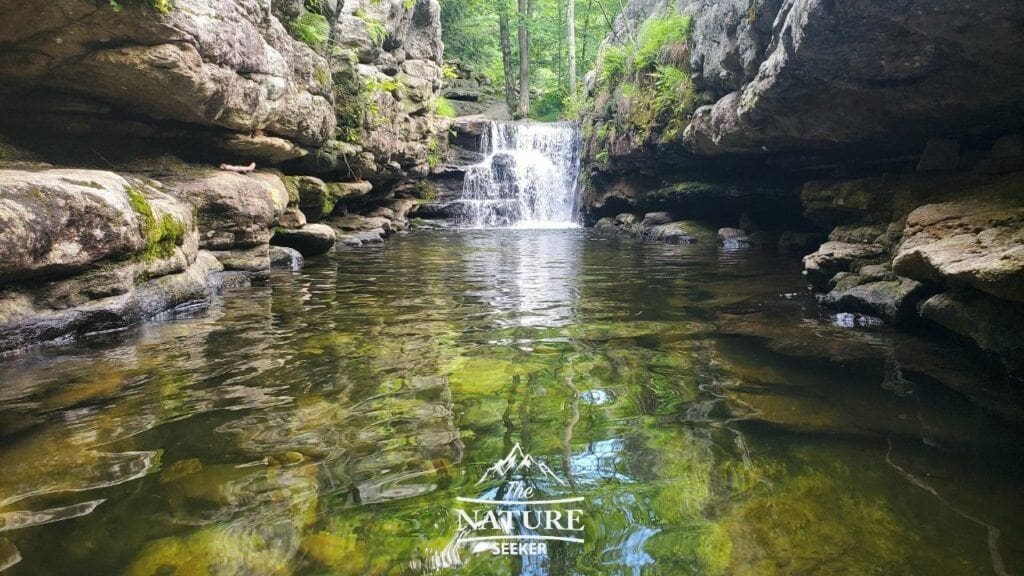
{"x": 599, "y": 462}
{"x": 532, "y": 284}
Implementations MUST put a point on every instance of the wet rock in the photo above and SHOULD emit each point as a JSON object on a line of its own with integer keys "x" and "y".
{"x": 975, "y": 242}
{"x": 833, "y": 257}
{"x": 993, "y": 324}
{"x": 891, "y": 300}
{"x": 682, "y": 232}
{"x": 310, "y": 240}
{"x": 255, "y": 259}
{"x": 284, "y": 257}
{"x": 655, "y": 218}
{"x": 29, "y": 315}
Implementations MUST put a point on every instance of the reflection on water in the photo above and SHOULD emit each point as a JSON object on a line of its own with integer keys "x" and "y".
{"x": 715, "y": 420}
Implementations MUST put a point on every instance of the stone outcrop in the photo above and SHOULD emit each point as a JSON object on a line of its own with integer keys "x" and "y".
{"x": 228, "y": 64}
{"x": 93, "y": 251}
{"x": 953, "y": 253}
{"x": 806, "y": 74}
{"x": 894, "y": 128}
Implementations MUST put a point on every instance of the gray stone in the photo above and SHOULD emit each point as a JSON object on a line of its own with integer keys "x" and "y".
{"x": 655, "y": 218}
{"x": 975, "y": 242}
{"x": 235, "y": 210}
{"x": 891, "y": 300}
{"x": 310, "y": 240}
{"x": 61, "y": 222}
{"x": 285, "y": 257}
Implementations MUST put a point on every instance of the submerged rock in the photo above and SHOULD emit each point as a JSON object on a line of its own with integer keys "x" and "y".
{"x": 891, "y": 300}
{"x": 284, "y": 257}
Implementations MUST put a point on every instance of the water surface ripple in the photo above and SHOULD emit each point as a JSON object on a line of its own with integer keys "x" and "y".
{"x": 715, "y": 419}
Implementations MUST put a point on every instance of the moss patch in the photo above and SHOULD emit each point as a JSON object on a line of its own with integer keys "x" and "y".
{"x": 161, "y": 235}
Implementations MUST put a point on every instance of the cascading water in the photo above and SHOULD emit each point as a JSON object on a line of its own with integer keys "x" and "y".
{"x": 527, "y": 179}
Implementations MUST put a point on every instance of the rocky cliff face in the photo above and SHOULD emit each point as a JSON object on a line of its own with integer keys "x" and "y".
{"x": 319, "y": 115}
{"x": 889, "y": 130}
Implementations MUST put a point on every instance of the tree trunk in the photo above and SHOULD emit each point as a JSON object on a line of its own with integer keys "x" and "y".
{"x": 586, "y": 31}
{"x": 506, "y": 55}
{"x": 570, "y": 34}
{"x": 524, "y": 59}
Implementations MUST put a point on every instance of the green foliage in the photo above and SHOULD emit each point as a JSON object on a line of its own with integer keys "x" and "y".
{"x": 614, "y": 63}
{"x": 409, "y": 4}
{"x": 448, "y": 72}
{"x": 657, "y": 36}
{"x": 426, "y": 190}
{"x": 385, "y": 84}
{"x": 470, "y": 30}
{"x": 649, "y": 78}
{"x": 434, "y": 152}
{"x": 442, "y": 107}
{"x": 378, "y": 33}
{"x": 312, "y": 29}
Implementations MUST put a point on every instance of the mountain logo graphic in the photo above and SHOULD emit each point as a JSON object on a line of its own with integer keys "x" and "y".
{"x": 517, "y": 461}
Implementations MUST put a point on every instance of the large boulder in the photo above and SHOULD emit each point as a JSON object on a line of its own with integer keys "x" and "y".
{"x": 310, "y": 240}
{"x": 235, "y": 210}
{"x": 975, "y": 242}
{"x": 57, "y": 223}
{"x": 229, "y": 64}
{"x": 93, "y": 251}
{"x": 816, "y": 74}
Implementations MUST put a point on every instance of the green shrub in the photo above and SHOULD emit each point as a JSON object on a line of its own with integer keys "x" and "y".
{"x": 442, "y": 107}
{"x": 312, "y": 29}
{"x": 426, "y": 190}
{"x": 614, "y": 60}
{"x": 434, "y": 152}
{"x": 657, "y": 35}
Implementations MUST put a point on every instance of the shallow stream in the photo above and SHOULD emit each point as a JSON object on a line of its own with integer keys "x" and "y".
{"x": 714, "y": 419}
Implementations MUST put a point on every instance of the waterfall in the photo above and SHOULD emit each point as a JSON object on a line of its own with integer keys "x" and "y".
{"x": 527, "y": 179}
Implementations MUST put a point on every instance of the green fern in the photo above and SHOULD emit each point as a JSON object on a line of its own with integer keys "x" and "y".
{"x": 312, "y": 29}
